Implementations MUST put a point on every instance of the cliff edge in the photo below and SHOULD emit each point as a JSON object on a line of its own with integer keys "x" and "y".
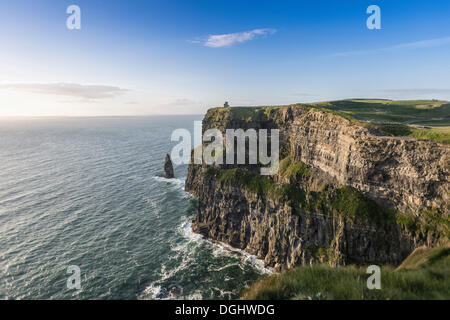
{"x": 345, "y": 192}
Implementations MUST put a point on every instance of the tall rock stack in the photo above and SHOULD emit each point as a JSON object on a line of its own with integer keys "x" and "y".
{"x": 168, "y": 168}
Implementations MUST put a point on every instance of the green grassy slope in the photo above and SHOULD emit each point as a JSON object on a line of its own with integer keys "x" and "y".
{"x": 405, "y": 111}
{"x": 424, "y": 257}
{"x": 421, "y": 119}
{"x": 423, "y": 275}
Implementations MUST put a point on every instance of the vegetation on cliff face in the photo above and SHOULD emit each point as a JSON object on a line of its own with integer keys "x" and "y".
{"x": 243, "y": 178}
{"x": 434, "y": 221}
{"x": 350, "y": 202}
{"x": 289, "y": 168}
{"x": 423, "y": 275}
{"x": 345, "y": 201}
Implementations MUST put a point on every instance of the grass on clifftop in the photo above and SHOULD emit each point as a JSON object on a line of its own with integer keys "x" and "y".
{"x": 402, "y": 111}
{"x": 426, "y": 277}
{"x": 420, "y": 119}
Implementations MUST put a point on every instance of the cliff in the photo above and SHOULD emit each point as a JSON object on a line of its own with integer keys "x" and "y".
{"x": 345, "y": 191}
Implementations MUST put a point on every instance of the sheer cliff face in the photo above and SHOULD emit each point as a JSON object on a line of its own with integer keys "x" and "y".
{"x": 404, "y": 173}
{"x": 398, "y": 173}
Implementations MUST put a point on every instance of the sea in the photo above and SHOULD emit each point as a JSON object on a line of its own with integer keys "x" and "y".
{"x": 84, "y": 192}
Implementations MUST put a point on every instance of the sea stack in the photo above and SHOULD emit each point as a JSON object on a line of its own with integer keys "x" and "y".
{"x": 168, "y": 168}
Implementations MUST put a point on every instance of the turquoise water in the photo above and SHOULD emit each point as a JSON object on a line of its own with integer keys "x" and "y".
{"x": 83, "y": 191}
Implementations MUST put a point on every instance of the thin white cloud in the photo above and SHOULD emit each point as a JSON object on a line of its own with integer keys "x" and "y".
{"x": 419, "y": 91}
{"x": 398, "y": 47}
{"x": 181, "y": 102}
{"x": 84, "y": 92}
{"x": 416, "y": 93}
{"x": 229, "y": 39}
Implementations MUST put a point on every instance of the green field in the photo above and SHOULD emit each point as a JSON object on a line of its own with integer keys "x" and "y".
{"x": 425, "y": 112}
{"x": 421, "y": 119}
{"x": 423, "y": 275}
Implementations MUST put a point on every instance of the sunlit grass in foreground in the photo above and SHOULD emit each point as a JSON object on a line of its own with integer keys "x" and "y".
{"x": 423, "y": 275}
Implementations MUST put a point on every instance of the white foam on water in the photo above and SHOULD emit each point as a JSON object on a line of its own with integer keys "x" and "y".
{"x": 225, "y": 249}
{"x": 194, "y": 296}
{"x": 185, "y": 229}
{"x": 156, "y": 292}
{"x": 223, "y": 293}
{"x": 151, "y": 290}
{"x": 220, "y": 248}
{"x": 177, "y": 181}
{"x": 223, "y": 267}
{"x": 155, "y": 208}
{"x": 156, "y": 289}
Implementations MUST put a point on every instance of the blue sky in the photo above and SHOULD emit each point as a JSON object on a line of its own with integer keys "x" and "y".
{"x": 180, "y": 57}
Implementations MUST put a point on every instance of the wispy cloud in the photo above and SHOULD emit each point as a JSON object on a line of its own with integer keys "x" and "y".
{"x": 84, "y": 92}
{"x": 418, "y": 91}
{"x": 398, "y": 47}
{"x": 229, "y": 39}
{"x": 182, "y": 102}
